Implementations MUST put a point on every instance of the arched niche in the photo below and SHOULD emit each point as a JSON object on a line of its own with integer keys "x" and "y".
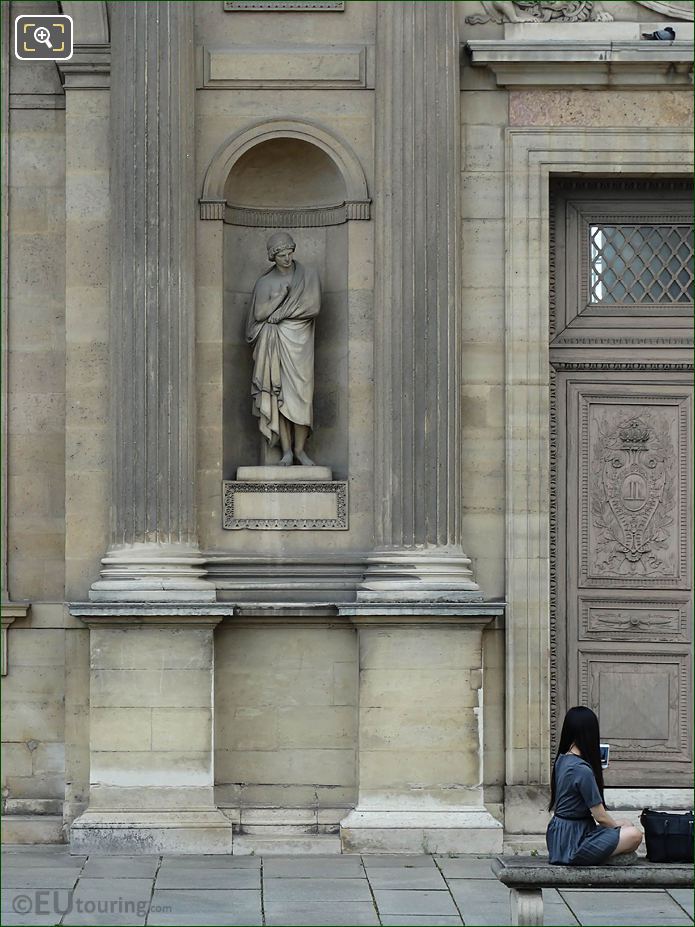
{"x": 284, "y": 173}
{"x": 213, "y": 200}
{"x": 296, "y": 177}
{"x": 90, "y": 21}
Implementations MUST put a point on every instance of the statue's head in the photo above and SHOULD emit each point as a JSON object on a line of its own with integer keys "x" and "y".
{"x": 279, "y": 241}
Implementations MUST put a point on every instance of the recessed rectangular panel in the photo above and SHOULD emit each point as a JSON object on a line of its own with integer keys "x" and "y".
{"x": 624, "y": 619}
{"x": 634, "y": 704}
{"x": 642, "y": 701}
{"x": 633, "y": 490}
{"x": 285, "y": 506}
{"x": 320, "y": 66}
{"x": 284, "y": 6}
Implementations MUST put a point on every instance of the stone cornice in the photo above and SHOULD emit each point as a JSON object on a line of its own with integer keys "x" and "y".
{"x": 569, "y": 62}
{"x": 473, "y": 615}
{"x": 11, "y": 610}
{"x": 8, "y": 612}
{"x": 88, "y": 69}
{"x": 111, "y": 614}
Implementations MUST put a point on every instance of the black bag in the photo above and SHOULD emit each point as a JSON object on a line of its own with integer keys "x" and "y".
{"x": 669, "y": 836}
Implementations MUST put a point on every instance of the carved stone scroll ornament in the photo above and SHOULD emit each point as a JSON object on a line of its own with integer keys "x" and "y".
{"x": 538, "y": 11}
{"x": 670, "y": 10}
{"x": 632, "y": 498}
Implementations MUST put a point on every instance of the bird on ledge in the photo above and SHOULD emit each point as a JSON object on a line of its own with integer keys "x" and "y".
{"x": 661, "y": 35}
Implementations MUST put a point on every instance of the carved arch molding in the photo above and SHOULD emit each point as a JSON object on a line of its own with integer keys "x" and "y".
{"x": 213, "y": 204}
{"x": 90, "y": 21}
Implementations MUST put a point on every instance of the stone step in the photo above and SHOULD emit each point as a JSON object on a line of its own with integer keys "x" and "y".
{"x": 525, "y": 845}
{"x": 32, "y": 828}
{"x": 287, "y": 845}
{"x": 32, "y": 806}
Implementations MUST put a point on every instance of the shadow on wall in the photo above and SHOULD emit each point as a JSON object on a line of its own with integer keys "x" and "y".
{"x": 285, "y": 174}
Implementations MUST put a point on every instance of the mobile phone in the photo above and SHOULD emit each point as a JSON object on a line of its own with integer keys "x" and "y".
{"x": 605, "y": 750}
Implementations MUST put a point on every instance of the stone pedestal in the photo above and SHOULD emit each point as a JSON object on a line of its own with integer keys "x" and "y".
{"x": 285, "y": 499}
{"x": 151, "y": 734}
{"x": 420, "y": 752}
{"x": 279, "y": 474}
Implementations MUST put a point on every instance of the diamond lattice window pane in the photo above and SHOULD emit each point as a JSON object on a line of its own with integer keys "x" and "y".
{"x": 638, "y": 264}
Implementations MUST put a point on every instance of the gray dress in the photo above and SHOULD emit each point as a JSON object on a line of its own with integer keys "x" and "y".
{"x": 573, "y": 837}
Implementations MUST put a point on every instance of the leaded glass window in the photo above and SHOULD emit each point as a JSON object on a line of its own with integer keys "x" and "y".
{"x": 640, "y": 263}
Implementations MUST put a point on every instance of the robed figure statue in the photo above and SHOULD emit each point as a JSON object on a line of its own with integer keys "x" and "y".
{"x": 280, "y": 325}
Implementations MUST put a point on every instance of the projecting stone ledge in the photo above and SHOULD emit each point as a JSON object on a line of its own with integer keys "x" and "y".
{"x": 472, "y": 615}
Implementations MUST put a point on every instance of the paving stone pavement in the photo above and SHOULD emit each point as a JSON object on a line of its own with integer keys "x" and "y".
{"x": 45, "y": 885}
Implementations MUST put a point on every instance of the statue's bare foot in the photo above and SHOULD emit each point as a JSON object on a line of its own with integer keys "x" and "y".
{"x": 304, "y": 459}
{"x": 286, "y": 460}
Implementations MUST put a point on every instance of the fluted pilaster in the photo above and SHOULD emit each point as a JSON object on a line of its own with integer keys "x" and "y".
{"x": 417, "y": 358}
{"x": 153, "y": 554}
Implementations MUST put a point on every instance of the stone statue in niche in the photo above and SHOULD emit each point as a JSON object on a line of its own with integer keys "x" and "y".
{"x": 532, "y": 11}
{"x": 286, "y": 299}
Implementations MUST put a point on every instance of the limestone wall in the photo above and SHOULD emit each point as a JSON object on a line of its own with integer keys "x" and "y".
{"x": 33, "y": 723}
{"x": 33, "y": 703}
{"x": 36, "y": 336}
{"x": 286, "y": 724}
{"x": 286, "y": 713}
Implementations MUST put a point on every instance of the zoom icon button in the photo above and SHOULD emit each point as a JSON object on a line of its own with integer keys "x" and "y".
{"x": 43, "y": 38}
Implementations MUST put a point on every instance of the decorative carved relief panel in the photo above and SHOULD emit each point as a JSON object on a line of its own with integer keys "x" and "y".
{"x": 633, "y": 619}
{"x": 633, "y": 520}
{"x": 623, "y": 573}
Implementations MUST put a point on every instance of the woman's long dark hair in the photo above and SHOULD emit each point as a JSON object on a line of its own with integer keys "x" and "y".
{"x": 580, "y": 728}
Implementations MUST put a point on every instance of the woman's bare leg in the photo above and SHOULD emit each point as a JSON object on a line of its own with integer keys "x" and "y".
{"x": 285, "y": 442}
{"x": 630, "y": 839}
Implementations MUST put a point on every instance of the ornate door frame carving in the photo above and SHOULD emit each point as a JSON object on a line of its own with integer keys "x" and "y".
{"x": 532, "y": 156}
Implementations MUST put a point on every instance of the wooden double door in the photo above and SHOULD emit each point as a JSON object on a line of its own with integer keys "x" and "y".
{"x": 622, "y": 418}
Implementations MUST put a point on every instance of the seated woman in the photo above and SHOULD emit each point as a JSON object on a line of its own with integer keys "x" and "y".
{"x": 581, "y": 831}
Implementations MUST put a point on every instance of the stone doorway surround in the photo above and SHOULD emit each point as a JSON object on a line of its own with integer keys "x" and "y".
{"x": 532, "y": 156}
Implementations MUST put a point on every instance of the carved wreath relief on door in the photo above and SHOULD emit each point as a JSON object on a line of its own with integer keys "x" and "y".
{"x": 633, "y": 496}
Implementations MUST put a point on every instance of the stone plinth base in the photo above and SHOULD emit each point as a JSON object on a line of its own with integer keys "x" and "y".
{"x": 151, "y": 714}
{"x": 148, "y": 833}
{"x": 153, "y": 573}
{"x": 285, "y": 504}
{"x": 278, "y": 474}
{"x": 420, "y": 757}
{"x": 418, "y": 575}
{"x": 473, "y": 831}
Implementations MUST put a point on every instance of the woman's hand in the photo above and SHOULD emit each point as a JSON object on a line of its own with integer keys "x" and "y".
{"x": 280, "y": 293}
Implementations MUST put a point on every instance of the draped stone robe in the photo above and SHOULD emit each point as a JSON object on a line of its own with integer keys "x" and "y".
{"x": 280, "y": 325}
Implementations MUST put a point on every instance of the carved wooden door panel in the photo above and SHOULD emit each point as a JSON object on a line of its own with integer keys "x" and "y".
{"x": 621, "y": 520}
{"x": 626, "y": 585}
